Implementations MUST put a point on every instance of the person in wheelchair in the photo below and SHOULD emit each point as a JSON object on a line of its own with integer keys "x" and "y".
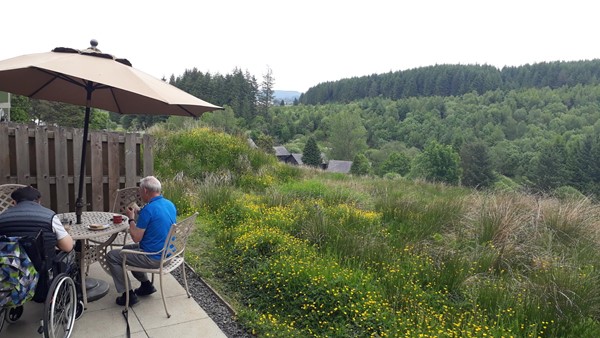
{"x": 50, "y": 249}
{"x": 27, "y": 218}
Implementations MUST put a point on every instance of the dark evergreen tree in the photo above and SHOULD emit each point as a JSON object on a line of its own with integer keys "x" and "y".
{"x": 550, "y": 168}
{"x": 594, "y": 169}
{"x": 580, "y": 162}
{"x": 265, "y": 95}
{"x": 311, "y": 155}
{"x": 476, "y": 165}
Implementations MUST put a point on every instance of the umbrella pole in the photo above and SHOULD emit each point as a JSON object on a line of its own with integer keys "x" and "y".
{"x": 86, "y": 123}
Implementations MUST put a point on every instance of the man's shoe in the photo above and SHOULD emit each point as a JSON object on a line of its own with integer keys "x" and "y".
{"x": 145, "y": 289}
{"x": 132, "y": 299}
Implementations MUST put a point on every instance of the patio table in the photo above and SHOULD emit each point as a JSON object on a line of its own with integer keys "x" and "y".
{"x": 94, "y": 288}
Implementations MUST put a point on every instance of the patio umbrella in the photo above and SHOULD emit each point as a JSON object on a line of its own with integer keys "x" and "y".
{"x": 91, "y": 78}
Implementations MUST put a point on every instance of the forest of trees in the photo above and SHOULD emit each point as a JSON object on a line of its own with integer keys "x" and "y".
{"x": 533, "y": 127}
{"x": 542, "y": 139}
{"x": 454, "y": 80}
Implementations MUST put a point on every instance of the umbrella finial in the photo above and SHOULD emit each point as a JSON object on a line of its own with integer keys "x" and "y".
{"x": 94, "y": 44}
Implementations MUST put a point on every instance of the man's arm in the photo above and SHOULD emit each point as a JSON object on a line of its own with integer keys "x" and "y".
{"x": 135, "y": 232}
{"x": 63, "y": 240}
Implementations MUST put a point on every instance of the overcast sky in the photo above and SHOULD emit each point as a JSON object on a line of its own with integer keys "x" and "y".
{"x": 306, "y": 42}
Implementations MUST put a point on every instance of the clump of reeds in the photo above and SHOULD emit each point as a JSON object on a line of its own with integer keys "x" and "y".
{"x": 545, "y": 250}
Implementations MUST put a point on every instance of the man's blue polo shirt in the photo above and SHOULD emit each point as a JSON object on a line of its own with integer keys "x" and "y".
{"x": 156, "y": 219}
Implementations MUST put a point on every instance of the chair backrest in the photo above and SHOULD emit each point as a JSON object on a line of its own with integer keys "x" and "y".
{"x": 124, "y": 197}
{"x": 177, "y": 238}
{"x": 5, "y": 191}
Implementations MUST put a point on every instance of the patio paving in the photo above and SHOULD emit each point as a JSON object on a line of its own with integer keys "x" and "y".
{"x": 147, "y": 318}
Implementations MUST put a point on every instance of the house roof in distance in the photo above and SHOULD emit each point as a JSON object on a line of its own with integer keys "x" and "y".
{"x": 298, "y": 158}
{"x": 281, "y": 151}
{"x": 338, "y": 166}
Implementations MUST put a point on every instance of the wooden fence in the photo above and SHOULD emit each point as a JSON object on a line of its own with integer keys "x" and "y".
{"x": 48, "y": 158}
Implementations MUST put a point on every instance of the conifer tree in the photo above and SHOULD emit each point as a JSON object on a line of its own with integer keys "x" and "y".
{"x": 476, "y": 165}
{"x": 265, "y": 95}
{"x": 311, "y": 155}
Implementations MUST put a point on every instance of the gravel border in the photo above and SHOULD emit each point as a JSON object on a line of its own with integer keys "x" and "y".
{"x": 212, "y": 304}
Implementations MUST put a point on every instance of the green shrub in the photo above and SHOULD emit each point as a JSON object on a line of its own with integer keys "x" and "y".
{"x": 505, "y": 184}
{"x": 201, "y": 151}
{"x": 568, "y": 193}
{"x": 285, "y": 172}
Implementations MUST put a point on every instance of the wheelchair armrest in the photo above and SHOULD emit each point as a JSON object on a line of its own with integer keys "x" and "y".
{"x": 62, "y": 256}
{"x": 64, "y": 261}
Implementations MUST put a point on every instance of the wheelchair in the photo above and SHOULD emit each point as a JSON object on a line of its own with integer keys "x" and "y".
{"x": 59, "y": 288}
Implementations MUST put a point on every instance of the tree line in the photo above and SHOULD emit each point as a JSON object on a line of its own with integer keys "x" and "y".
{"x": 454, "y": 80}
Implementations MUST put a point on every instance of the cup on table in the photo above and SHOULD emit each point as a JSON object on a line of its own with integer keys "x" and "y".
{"x": 117, "y": 219}
{"x": 66, "y": 224}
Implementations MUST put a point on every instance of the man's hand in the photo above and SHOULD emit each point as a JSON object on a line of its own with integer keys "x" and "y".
{"x": 130, "y": 213}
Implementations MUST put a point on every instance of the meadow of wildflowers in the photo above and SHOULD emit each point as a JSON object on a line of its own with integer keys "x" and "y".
{"x": 304, "y": 254}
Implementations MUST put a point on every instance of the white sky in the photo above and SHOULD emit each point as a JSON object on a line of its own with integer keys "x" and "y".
{"x": 306, "y": 42}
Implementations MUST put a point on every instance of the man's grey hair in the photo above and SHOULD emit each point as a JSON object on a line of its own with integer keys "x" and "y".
{"x": 150, "y": 183}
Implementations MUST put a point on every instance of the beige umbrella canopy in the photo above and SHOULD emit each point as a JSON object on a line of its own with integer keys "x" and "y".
{"x": 91, "y": 78}
{"x": 66, "y": 75}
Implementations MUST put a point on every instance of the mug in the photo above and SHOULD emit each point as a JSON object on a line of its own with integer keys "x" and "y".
{"x": 117, "y": 219}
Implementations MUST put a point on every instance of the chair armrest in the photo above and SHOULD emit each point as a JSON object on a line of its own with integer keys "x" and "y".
{"x": 137, "y": 252}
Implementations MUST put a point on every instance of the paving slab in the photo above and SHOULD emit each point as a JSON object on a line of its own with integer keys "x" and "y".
{"x": 103, "y": 318}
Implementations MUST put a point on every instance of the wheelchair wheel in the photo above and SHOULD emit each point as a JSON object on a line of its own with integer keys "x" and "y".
{"x": 13, "y": 314}
{"x": 60, "y": 308}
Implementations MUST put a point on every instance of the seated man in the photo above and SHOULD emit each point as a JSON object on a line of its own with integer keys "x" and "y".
{"x": 26, "y": 218}
{"x": 149, "y": 233}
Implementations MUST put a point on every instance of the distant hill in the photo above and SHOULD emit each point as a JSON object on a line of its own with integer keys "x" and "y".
{"x": 287, "y": 96}
{"x": 454, "y": 80}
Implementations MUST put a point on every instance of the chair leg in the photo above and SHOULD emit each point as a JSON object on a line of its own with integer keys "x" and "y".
{"x": 162, "y": 293}
{"x": 83, "y": 266}
{"x": 127, "y": 286}
{"x": 187, "y": 290}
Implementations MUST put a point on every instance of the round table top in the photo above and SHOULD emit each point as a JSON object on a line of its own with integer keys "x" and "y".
{"x": 82, "y": 231}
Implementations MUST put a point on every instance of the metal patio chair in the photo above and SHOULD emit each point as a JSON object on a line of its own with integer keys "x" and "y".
{"x": 172, "y": 256}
